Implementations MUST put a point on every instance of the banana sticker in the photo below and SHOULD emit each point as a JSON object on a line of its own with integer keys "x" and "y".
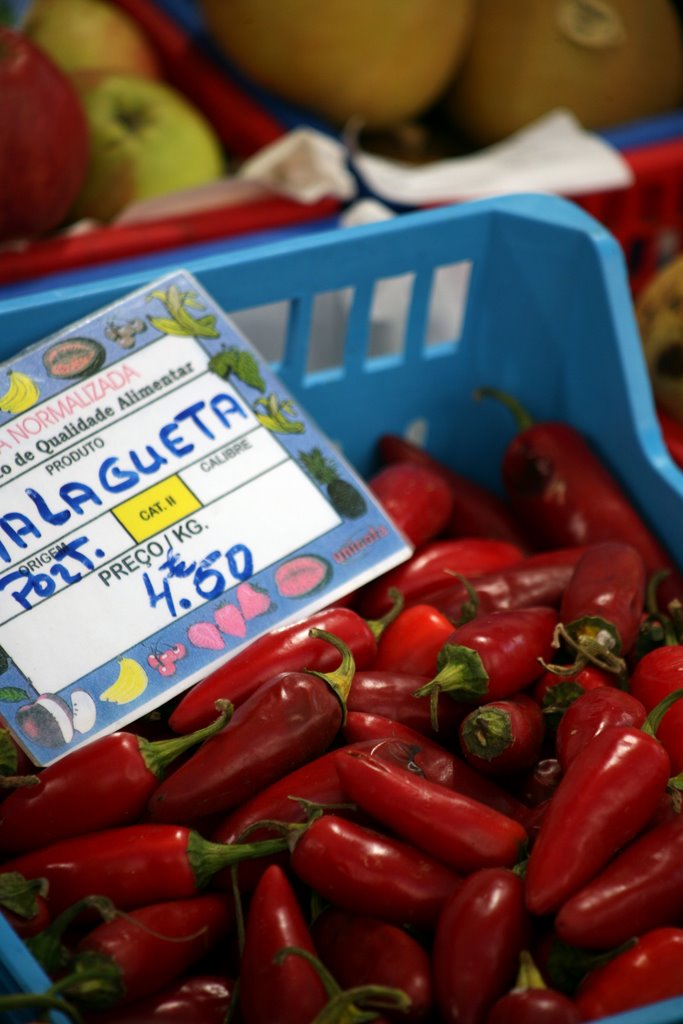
{"x": 129, "y": 684}
{"x": 22, "y": 393}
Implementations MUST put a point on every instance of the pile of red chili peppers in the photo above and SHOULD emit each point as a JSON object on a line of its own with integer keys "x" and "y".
{"x": 454, "y": 798}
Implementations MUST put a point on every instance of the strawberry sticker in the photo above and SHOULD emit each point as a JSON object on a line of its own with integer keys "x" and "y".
{"x": 253, "y": 600}
{"x": 230, "y": 620}
{"x": 205, "y": 634}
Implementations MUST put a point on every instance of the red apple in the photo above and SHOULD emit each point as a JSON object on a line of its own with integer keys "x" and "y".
{"x": 43, "y": 140}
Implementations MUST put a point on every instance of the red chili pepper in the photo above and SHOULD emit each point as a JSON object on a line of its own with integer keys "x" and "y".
{"x": 602, "y": 606}
{"x": 360, "y": 950}
{"x": 432, "y": 568}
{"x": 288, "y": 799}
{"x": 658, "y": 674}
{"x": 555, "y": 693}
{"x": 411, "y": 643}
{"x": 114, "y": 777}
{"x": 416, "y": 497}
{"x": 640, "y": 889}
{"x": 480, "y": 934}
{"x": 592, "y": 713}
{"x": 26, "y": 927}
{"x": 153, "y": 945}
{"x": 132, "y": 865}
{"x": 477, "y": 511}
{"x": 392, "y": 695}
{"x": 494, "y": 655}
{"x": 287, "y": 649}
{"x": 503, "y": 737}
{"x": 565, "y": 494}
{"x": 670, "y": 735}
{"x": 531, "y": 1001}
{"x": 23, "y": 903}
{"x": 672, "y": 434}
{"x": 289, "y": 720}
{"x": 534, "y": 1006}
{"x": 607, "y": 795}
{"x": 538, "y": 580}
{"x": 361, "y": 870}
{"x": 538, "y": 785}
{"x": 278, "y": 992}
{"x": 434, "y": 762}
{"x": 200, "y": 998}
{"x": 459, "y": 831}
{"x": 651, "y": 970}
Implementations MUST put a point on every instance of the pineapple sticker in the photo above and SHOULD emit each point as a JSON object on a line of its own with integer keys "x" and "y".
{"x": 344, "y": 497}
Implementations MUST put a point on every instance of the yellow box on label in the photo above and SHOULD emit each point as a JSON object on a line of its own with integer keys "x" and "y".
{"x": 156, "y": 508}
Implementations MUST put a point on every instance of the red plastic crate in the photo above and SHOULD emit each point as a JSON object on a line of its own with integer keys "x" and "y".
{"x": 647, "y": 217}
{"x": 243, "y": 125}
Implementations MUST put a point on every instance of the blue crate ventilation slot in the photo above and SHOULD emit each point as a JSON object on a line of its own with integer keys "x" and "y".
{"x": 542, "y": 309}
{"x": 391, "y": 327}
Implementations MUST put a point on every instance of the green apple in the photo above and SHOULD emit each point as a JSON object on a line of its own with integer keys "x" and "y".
{"x": 91, "y": 35}
{"x": 146, "y": 139}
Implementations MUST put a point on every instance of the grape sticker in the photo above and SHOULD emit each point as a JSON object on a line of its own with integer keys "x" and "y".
{"x": 164, "y": 661}
{"x": 164, "y": 501}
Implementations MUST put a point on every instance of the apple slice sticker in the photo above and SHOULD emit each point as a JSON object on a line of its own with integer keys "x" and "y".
{"x": 46, "y": 720}
{"x": 83, "y": 711}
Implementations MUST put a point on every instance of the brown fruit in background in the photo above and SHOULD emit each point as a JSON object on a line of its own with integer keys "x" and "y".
{"x": 608, "y": 61}
{"x": 381, "y": 61}
{"x": 659, "y": 311}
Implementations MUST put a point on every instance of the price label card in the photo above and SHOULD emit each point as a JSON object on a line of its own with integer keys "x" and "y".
{"x": 164, "y": 501}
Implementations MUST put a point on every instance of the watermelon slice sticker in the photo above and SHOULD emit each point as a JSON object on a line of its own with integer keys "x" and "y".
{"x": 73, "y": 358}
{"x": 302, "y": 575}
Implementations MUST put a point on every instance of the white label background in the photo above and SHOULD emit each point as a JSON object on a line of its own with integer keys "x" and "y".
{"x": 272, "y": 507}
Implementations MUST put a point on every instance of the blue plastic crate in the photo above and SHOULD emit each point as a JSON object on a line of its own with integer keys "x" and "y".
{"x": 533, "y": 297}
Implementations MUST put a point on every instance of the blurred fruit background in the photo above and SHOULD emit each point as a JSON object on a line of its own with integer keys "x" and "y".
{"x": 107, "y": 103}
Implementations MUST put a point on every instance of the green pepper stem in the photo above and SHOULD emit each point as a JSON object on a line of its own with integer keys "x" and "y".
{"x": 20, "y": 894}
{"x": 522, "y": 416}
{"x": 653, "y": 582}
{"x": 95, "y": 981}
{"x": 352, "y": 1006}
{"x": 529, "y": 975}
{"x": 159, "y": 754}
{"x": 469, "y": 608}
{"x": 39, "y": 1001}
{"x": 340, "y": 680}
{"x": 47, "y": 946}
{"x": 487, "y": 732}
{"x": 589, "y": 650}
{"x": 18, "y": 781}
{"x": 206, "y": 858}
{"x": 654, "y": 718}
{"x": 377, "y": 626}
